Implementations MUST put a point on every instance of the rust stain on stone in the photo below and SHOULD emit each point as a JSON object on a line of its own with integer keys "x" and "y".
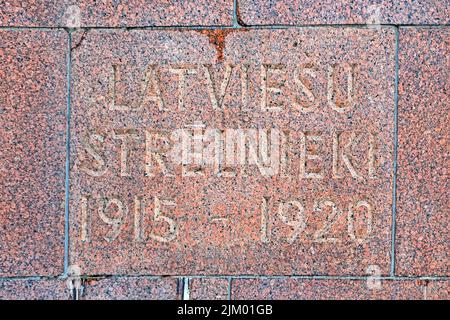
{"x": 217, "y": 39}
{"x": 422, "y": 283}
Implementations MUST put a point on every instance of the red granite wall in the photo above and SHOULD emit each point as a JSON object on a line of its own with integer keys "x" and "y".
{"x": 247, "y": 149}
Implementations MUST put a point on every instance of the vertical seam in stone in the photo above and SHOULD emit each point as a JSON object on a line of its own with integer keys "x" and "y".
{"x": 394, "y": 182}
{"x": 235, "y": 17}
{"x": 67, "y": 182}
{"x": 186, "y": 292}
{"x": 229, "y": 288}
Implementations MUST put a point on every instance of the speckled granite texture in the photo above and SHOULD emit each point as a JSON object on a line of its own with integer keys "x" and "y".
{"x": 32, "y": 155}
{"x": 144, "y": 288}
{"x": 298, "y": 289}
{"x": 141, "y": 288}
{"x": 423, "y": 158}
{"x": 90, "y": 13}
{"x": 113, "y": 288}
{"x": 344, "y": 105}
{"x": 41, "y": 289}
{"x": 299, "y": 12}
{"x": 209, "y": 288}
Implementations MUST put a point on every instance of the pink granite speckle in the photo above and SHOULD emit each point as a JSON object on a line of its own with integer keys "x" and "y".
{"x": 423, "y": 149}
{"x": 208, "y": 289}
{"x": 32, "y": 155}
{"x": 329, "y": 289}
{"x": 42, "y": 289}
{"x": 89, "y": 13}
{"x": 131, "y": 289}
{"x": 298, "y": 12}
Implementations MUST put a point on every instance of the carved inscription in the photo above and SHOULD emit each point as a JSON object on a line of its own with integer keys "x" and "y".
{"x": 231, "y": 151}
{"x": 279, "y": 87}
{"x": 198, "y": 150}
{"x": 114, "y": 213}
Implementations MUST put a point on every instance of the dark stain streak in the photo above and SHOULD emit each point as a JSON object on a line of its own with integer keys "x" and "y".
{"x": 83, "y": 36}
